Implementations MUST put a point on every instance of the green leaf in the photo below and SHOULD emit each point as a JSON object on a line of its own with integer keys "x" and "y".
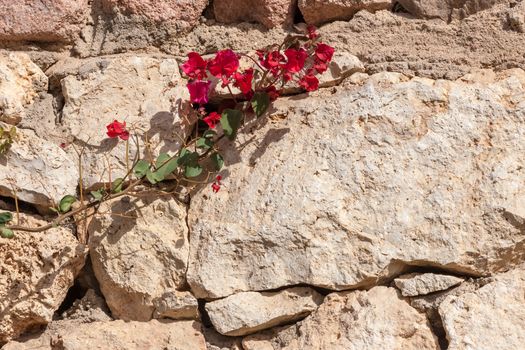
{"x": 217, "y": 160}
{"x": 141, "y": 168}
{"x": 5, "y": 218}
{"x": 192, "y": 170}
{"x": 209, "y": 134}
{"x": 116, "y": 186}
{"x": 6, "y": 233}
{"x": 65, "y": 203}
{"x": 204, "y": 143}
{"x": 187, "y": 157}
{"x": 151, "y": 177}
{"x": 98, "y": 194}
{"x": 161, "y": 160}
{"x": 260, "y": 103}
{"x": 165, "y": 165}
{"x": 230, "y": 121}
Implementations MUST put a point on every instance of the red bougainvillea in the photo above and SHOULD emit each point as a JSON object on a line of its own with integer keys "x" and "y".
{"x": 117, "y": 129}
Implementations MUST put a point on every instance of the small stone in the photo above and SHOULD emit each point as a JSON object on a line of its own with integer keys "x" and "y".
{"x": 145, "y": 92}
{"x": 420, "y": 284}
{"x": 270, "y": 13}
{"x": 116, "y": 335}
{"x": 39, "y": 171}
{"x": 374, "y": 319}
{"x": 249, "y": 312}
{"x": 139, "y": 250}
{"x": 43, "y": 20}
{"x": 491, "y": 317}
{"x": 321, "y": 11}
{"x": 36, "y": 271}
{"x": 20, "y": 83}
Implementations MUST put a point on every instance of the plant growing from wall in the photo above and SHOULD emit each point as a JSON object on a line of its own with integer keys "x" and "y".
{"x": 297, "y": 61}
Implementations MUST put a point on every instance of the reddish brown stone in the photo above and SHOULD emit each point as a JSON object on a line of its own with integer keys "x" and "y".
{"x": 322, "y": 11}
{"x": 270, "y": 13}
{"x": 181, "y": 13}
{"x": 43, "y": 20}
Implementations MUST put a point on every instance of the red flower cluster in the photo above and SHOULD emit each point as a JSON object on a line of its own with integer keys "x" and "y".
{"x": 212, "y": 119}
{"x": 303, "y": 61}
{"x": 117, "y": 129}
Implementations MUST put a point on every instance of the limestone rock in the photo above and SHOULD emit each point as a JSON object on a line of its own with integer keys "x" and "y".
{"x": 43, "y": 20}
{"x": 270, "y": 13}
{"x": 90, "y": 308}
{"x": 183, "y": 14}
{"x": 249, "y": 312}
{"x": 516, "y": 17}
{"x": 116, "y": 335}
{"x": 134, "y": 89}
{"x": 384, "y": 174}
{"x": 20, "y": 82}
{"x": 420, "y": 284}
{"x": 446, "y": 9}
{"x": 322, "y": 11}
{"x": 493, "y": 314}
{"x": 139, "y": 252}
{"x": 374, "y": 319}
{"x": 176, "y": 305}
{"x": 217, "y": 341}
{"x": 40, "y": 171}
{"x": 36, "y": 272}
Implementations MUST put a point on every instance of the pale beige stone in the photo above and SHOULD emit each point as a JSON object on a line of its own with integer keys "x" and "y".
{"x": 492, "y": 316}
{"x": 90, "y": 308}
{"x": 420, "y": 284}
{"x": 139, "y": 250}
{"x": 116, "y": 335}
{"x": 20, "y": 83}
{"x": 374, "y": 319}
{"x": 446, "y": 9}
{"x": 145, "y": 92}
{"x": 36, "y": 272}
{"x": 38, "y": 170}
{"x": 425, "y": 173}
{"x": 249, "y": 312}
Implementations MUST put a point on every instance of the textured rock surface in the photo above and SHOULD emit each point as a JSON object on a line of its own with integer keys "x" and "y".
{"x": 494, "y": 314}
{"x": 35, "y": 274}
{"x": 321, "y": 11}
{"x": 446, "y": 9}
{"x": 117, "y": 335}
{"x": 270, "y": 13}
{"x": 376, "y": 181}
{"x": 139, "y": 253}
{"x": 20, "y": 82}
{"x": 184, "y": 14}
{"x": 40, "y": 171}
{"x": 43, "y": 20}
{"x": 420, "y": 284}
{"x": 249, "y": 312}
{"x": 90, "y": 308}
{"x": 134, "y": 89}
{"x": 516, "y": 17}
{"x": 375, "y": 319}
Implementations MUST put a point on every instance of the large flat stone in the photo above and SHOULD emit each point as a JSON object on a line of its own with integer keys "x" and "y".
{"x": 353, "y": 185}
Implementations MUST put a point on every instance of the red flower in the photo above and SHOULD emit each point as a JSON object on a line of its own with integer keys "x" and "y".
{"x": 272, "y": 61}
{"x": 216, "y": 186}
{"x": 312, "y": 32}
{"x": 324, "y": 52}
{"x": 195, "y": 67}
{"x": 244, "y": 81}
{"x": 320, "y": 66}
{"x": 199, "y": 91}
{"x": 117, "y": 129}
{"x": 212, "y": 119}
{"x": 309, "y": 82}
{"x": 272, "y": 92}
{"x": 296, "y": 59}
{"x": 224, "y": 65}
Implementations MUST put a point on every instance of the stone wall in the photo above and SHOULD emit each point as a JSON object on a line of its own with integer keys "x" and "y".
{"x": 384, "y": 211}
